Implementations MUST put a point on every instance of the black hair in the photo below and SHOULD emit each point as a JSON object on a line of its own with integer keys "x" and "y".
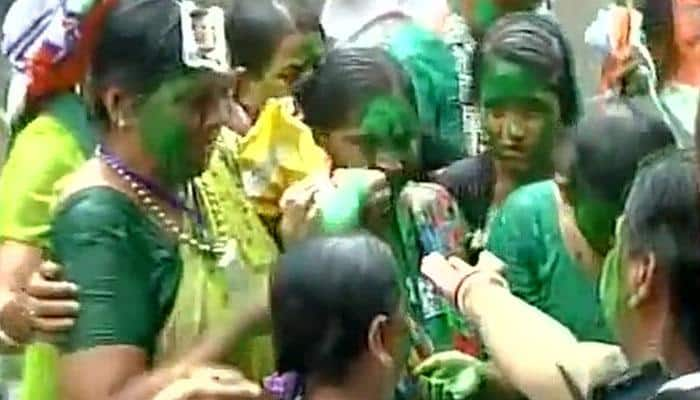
{"x": 324, "y": 296}
{"x": 334, "y": 96}
{"x": 538, "y": 42}
{"x": 140, "y": 46}
{"x": 663, "y": 217}
{"x": 607, "y": 145}
{"x": 255, "y": 28}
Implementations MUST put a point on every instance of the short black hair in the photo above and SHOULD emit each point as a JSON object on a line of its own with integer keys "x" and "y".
{"x": 345, "y": 82}
{"x": 662, "y": 216}
{"x": 254, "y": 29}
{"x": 607, "y": 145}
{"x": 324, "y": 295}
{"x": 538, "y": 42}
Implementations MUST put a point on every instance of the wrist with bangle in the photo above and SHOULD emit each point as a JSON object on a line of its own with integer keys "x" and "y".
{"x": 459, "y": 295}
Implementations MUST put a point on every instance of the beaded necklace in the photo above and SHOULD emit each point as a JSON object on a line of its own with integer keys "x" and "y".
{"x": 145, "y": 196}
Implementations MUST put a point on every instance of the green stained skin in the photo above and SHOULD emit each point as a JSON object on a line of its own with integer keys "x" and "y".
{"x": 389, "y": 120}
{"x": 389, "y": 129}
{"x": 166, "y": 132}
{"x": 520, "y": 113}
{"x": 595, "y": 219}
{"x": 386, "y": 132}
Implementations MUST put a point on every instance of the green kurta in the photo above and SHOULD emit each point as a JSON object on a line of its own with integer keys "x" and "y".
{"x": 127, "y": 270}
{"x": 526, "y": 235}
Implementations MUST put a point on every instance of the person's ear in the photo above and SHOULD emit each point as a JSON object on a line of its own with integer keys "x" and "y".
{"x": 119, "y": 107}
{"x": 643, "y": 276}
{"x": 378, "y": 340}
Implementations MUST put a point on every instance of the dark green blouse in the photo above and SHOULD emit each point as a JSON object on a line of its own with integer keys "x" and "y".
{"x": 126, "y": 268}
{"x": 526, "y": 235}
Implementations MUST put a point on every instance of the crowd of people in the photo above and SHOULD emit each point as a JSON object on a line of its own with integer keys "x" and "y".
{"x": 345, "y": 200}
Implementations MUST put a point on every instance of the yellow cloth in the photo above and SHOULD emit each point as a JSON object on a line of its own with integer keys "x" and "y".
{"x": 209, "y": 294}
{"x": 42, "y": 156}
{"x": 279, "y": 150}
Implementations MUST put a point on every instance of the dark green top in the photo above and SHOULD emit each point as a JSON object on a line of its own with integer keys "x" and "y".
{"x": 526, "y": 236}
{"x": 127, "y": 269}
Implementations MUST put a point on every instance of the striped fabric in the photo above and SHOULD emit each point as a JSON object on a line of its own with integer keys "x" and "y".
{"x": 33, "y": 28}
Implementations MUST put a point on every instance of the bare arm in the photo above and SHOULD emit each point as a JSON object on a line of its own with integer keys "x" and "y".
{"x": 527, "y": 346}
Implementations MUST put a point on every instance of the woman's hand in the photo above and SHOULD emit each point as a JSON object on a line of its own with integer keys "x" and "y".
{"x": 456, "y": 279}
{"x": 211, "y": 383}
{"x": 300, "y": 212}
{"x": 46, "y": 307}
{"x": 377, "y": 207}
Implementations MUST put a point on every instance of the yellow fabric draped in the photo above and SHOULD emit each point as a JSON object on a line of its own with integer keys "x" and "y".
{"x": 210, "y": 294}
{"x": 277, "y": 151}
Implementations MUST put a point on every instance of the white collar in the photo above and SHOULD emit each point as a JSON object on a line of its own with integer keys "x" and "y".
{"x": 683, "y": 383}
{"x": 342, "y": 18}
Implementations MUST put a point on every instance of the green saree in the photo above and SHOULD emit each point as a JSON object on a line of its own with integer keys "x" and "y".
{"x": 127, "y": 269}
{"x": 526, "y": 235}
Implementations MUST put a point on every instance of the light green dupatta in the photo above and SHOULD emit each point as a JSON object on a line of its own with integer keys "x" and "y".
{"x": 210, "y": 291}
{"x": 43, "y": 154}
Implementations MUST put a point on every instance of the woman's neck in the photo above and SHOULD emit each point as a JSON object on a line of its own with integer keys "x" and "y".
{"x": 132, "y": 156}
{"x": 505, "y": 183}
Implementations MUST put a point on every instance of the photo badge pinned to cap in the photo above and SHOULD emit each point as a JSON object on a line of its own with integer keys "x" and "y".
{"x": 204, "y": 37}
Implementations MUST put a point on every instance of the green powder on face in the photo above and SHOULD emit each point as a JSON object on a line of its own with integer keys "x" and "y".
{"x": 164, "y": 129}
{"x": 389, "y": 120}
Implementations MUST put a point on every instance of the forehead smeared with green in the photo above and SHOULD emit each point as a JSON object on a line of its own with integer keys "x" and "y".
{"x": 486, "y": 12}
{"x": 502, "y": 80}
{"x": 162, "y": 121}
{"x": 389, "y": 121}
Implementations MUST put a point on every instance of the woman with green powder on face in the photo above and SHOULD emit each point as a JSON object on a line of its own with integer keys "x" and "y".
{"x": 654, "y": 299}
{"x": 553, "y": 235}
{"x": 373, "y": 125}
{"x": 120, "y": 220}
{"x": 275, "y": 42}
{"x": 360, "y": 107}
{"x": 528, "y": 97}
